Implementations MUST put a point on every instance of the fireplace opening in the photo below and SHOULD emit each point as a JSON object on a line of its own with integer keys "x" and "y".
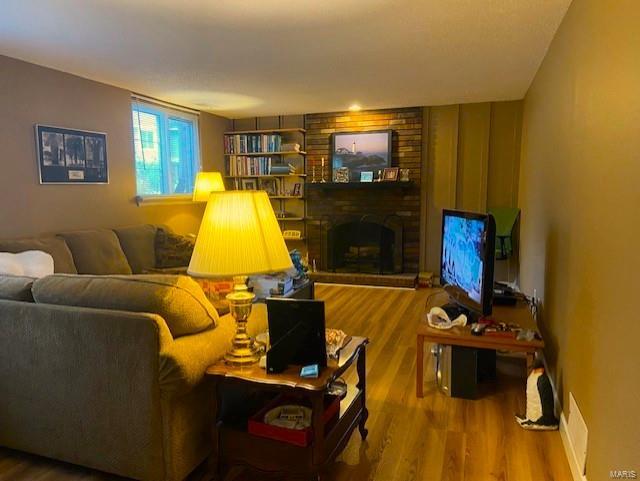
{"x": 368, "y": 244}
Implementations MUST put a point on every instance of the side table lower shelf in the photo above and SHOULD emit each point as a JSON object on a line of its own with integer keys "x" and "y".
{"x": 235, "y": 446}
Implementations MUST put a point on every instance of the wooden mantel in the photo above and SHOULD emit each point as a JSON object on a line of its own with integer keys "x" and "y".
{"x": 384, "y": 185}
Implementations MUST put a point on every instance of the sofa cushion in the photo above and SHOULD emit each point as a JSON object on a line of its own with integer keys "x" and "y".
{"x": 172, "y": 250}
{"x": 97, "y": 252}
{"x": 138, "y": 244}
{"x": 55, "y": 246}
{"x": 16, "y": 288}
{"x": 178, "y": 299}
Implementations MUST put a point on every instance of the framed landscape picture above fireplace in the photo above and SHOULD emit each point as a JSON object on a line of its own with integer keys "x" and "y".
{"x": 361, "y": 151}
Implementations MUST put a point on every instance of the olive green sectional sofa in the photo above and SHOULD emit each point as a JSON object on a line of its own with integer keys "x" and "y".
{"x": 106, "y": 369}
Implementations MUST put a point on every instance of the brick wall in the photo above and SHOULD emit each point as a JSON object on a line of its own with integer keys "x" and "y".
{"x": 406, "y": 124}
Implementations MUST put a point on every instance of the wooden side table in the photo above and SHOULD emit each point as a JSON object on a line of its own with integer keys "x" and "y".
{"x": 235, "y": 446}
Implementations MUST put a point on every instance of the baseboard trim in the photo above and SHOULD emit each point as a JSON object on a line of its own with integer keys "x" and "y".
{"x": 567, "y": 444}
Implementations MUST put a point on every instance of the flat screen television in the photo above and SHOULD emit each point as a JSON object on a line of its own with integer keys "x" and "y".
{"x": 361, "y": 152}
{"x": 467, "y": 258}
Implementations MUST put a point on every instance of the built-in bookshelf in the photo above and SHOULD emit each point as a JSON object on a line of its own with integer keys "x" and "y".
{"x": 273, "y": 160}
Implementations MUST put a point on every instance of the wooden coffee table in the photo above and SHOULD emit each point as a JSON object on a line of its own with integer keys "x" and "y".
{"x": 235, "y": 446}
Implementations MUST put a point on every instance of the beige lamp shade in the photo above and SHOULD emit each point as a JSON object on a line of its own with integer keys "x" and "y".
{"x": 207, "y": 182}
{"x": 239, "y": 236}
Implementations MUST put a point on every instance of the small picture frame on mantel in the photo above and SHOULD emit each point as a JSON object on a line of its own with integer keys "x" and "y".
{"x": 390, "y": 174}
{"x": 366, "y": 176}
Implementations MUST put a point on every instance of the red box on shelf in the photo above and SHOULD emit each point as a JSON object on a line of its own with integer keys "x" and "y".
{"x": 297, "y": 437}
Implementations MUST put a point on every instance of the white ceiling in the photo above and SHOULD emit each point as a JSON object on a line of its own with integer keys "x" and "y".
{"x": 242, "y": 58}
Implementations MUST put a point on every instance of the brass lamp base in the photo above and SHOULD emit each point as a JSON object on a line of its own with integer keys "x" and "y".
{"x": 245, "y": 350}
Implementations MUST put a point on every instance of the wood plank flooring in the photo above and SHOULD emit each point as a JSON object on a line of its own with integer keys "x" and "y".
{"x": 434, "y": 438}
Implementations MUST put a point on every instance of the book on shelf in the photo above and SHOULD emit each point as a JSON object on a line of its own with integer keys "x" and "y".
{"x": 252, "y": 143}
{"x": 241, "y": 165}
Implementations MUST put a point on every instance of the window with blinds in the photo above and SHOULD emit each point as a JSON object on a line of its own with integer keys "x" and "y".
{"x": 165, "y": 144}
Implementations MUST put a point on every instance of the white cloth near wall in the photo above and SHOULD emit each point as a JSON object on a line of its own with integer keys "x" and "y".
{"x": 29, "y": 263}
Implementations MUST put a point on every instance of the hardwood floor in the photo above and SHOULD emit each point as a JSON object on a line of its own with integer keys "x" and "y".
{"x": 434, "y": 438}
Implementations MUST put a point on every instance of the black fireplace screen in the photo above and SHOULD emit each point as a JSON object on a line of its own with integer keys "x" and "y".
{"x": 369, "y": 244}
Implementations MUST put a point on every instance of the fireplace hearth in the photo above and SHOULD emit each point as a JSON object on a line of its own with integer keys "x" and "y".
{"x": 368, "y": 244}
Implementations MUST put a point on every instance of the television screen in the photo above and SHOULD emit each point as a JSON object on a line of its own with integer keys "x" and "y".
{"x": 361, "y": 152}
{"x": 467, "y": 258}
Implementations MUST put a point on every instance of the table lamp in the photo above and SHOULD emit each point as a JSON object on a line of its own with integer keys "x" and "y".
{"x": 239, "y": 236}
{"x": 207, "y": 182}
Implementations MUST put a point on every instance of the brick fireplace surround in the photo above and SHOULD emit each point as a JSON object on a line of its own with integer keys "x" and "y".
{"x": 323, "y": 205}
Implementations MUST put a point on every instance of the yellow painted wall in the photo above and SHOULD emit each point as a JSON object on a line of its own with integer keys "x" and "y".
{"x": 580, "y": 195}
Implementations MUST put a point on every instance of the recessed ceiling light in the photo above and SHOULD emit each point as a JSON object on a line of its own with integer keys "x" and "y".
{"x": 355, "y": 108}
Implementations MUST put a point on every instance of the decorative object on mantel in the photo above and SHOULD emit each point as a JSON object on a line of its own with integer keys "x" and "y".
{"x": 404, "y": 175}
{"x": 313, "y": 174}
{"x": 341, "y": 175}
{"x": 366, "y": 176}
{"x": 379, "y": 179}
{"x": 323, "y": 179}
{"x": 68, "y": 156}
{"x": 390, "y": 174}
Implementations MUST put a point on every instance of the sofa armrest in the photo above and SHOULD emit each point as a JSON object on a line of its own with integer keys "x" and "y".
{"x": 69, "y": 377}
{"x": 184, "y": 361}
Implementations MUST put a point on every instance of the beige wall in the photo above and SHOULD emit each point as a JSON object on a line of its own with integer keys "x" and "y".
{"x": 579, "y": 194}
{"x": 31, "y": 94}
{"x": 472, "y": 156}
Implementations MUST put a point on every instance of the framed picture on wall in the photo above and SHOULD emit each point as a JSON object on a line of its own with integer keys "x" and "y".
{"x": 361, "y": 151}
{"x": 69, "y": 156}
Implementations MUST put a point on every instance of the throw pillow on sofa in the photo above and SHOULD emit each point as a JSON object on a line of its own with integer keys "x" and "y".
{"x": 97, "y": 252}
{"x": 179, "y": 300}
{"x": 29, "y": 263}
{"x": 16, "y": 288}
{"x": 172, "y": 250}
{"x": 57, "y": 247}
{"x": 138, "y": 244}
